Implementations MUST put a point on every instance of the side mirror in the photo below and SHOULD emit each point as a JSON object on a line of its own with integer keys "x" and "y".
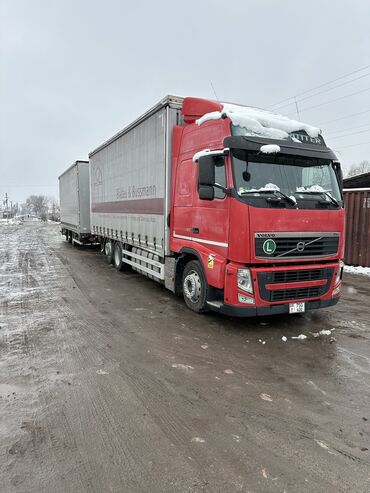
{"x": 206, "y": 171}
{"x": 339, "y": 173}
{"x": 206, "y": 192}
{"x": 340, "y": 176}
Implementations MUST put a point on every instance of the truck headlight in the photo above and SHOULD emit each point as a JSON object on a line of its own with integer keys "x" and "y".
{"x": 245, "y": 280}
{"x": 339, "y": 273}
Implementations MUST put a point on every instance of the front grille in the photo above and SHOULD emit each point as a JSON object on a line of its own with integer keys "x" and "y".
{"x": 297, "y": 275}
{"x": 282, "y": 245}
{"x": 288, "y": 276}
{"x": 295, "y": 294}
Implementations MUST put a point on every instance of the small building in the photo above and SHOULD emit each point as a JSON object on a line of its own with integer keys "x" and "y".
{"x": 8, "y": 214}
{"x": 357, "y": 181}
{"x": 357, "y": 202}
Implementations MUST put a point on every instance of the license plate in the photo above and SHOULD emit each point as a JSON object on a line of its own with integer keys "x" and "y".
{"x": 296, "y": 307}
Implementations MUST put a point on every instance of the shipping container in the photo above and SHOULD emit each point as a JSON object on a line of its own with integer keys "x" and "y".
{"x": 74, "y": 194}
{"x": 357, "y": 251}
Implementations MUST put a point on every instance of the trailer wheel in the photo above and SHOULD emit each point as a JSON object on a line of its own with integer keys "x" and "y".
{"x": 194, "y": 287}
{"x": 108, "y": 250}
{"x": 117, "y": 257}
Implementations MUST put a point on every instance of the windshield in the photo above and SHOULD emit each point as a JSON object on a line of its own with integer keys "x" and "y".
{"x": 292, "y": 177}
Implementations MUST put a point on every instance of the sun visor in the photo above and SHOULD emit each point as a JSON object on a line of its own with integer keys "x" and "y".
{"x": 253, "y": 144}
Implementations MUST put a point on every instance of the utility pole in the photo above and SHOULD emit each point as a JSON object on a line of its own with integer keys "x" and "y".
{"x": 6, "y": 207}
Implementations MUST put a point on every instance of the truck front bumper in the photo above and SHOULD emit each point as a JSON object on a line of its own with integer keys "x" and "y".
{"x": 256, "y": 311}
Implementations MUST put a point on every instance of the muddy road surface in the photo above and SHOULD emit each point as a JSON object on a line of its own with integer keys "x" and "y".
{"x": 108, "y": 383}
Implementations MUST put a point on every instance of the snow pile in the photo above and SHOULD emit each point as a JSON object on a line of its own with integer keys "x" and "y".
{"x": 270, "y": 149}
{"x": 260, "y": 122}
{"x": 324, "y": 332}
{"x": 365, "y": 271}
{"x": 269, "y": 187}
{"x": 181, "y": 366}
{"x": 312, "y": 188}
{"x": 208, "y": 152}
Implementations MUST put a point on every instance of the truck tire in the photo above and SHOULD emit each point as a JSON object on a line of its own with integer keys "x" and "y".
{"x": 117, "y": 257}
{"x": 69, "y": 236}
{"x": 109, "y": 251}
{"x": 194, "y": 287}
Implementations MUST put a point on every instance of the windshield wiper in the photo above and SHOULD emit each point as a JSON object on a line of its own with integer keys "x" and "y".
{"x": 272, "y": 190}
{"x": 322, "y": 192}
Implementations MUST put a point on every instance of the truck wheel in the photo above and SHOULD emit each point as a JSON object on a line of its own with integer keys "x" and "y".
{"x": 69, "y": 236}
{"x": 194, "y": 287}
{"x": 117, "y": 257}
{"x": 108, "y": 250}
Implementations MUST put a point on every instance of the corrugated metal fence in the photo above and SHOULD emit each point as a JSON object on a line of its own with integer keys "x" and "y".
{"x": 357, "y": 202}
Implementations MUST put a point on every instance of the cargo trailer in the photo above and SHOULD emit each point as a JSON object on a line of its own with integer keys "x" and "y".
{"x": 74, "y": 194}
{"x": 131, "y": 186}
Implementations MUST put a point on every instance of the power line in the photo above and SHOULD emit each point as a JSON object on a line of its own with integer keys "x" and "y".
{"x": 345, "y": 129}
{"x": 354, "y": 145}
{"x": 334, "y": 100}
{"x": 321, "y": 92}
{"x": 347, "y": 135}
{"x": 321, "y": 85}
{"x": 345, "y": 117}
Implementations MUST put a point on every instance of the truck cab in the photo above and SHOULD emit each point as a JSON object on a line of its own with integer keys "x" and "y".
{"x": 257, "y": 212}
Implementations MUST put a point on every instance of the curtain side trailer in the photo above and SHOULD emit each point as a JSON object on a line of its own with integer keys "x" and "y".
{"x": 74, "y": 195}
{"x": 130, "y": 178}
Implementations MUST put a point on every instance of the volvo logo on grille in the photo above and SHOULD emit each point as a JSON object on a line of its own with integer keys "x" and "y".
{"x": 300, "y": 246}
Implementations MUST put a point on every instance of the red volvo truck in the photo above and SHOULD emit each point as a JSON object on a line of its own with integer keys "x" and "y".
{"x": 235, "y": 208}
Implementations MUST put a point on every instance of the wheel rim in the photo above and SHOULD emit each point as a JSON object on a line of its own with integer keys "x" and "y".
{"x": 192, "y": 286}
{"x": 117, "y": 259}
{"x": 108, "y": 248}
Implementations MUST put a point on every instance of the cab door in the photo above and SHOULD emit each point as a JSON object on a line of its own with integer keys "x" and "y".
{"x": 210, "y": 218}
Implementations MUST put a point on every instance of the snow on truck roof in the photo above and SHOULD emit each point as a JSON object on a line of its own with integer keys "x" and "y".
{"x": 260, "y": 122}
{"x": 254, "y": 121}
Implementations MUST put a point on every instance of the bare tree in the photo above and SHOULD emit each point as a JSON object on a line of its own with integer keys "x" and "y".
{"x": 37, "y": 205}
{"x": 54, "y": 209}
{"x": 358, "y": 169}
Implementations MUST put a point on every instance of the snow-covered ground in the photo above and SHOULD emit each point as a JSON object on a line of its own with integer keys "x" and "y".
{"x": 357, "y": 270}
{"x": 9, "y": 222}
{"x": 18, "y": 220}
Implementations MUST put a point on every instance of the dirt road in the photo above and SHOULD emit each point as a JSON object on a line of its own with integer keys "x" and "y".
{"x": 109, "y": 384}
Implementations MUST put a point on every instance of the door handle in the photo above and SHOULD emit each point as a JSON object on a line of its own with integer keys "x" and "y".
{"x": 195, "y": 230}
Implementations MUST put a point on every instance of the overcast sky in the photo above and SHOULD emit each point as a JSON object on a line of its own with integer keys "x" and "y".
{"x": 74, "y": 72}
